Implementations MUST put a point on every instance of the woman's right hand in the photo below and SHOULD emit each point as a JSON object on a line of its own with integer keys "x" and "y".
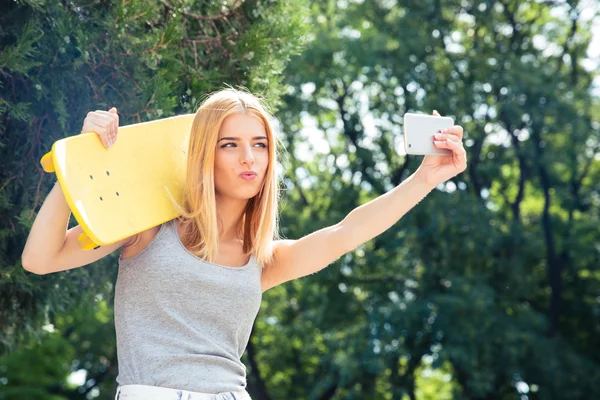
{"x": 104, "y": 123}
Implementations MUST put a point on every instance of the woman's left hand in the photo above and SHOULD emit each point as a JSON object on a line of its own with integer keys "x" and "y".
{"x": 438, "y": 169}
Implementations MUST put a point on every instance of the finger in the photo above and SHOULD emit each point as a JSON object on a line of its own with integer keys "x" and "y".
{"x": 108, "y": 120}
{"x": 101, "y": 131}
{"x": 456, "y": 145}
{"x": 106, "y": 116}
{"x": 448, "y": 144}
{"x": 105, "y": 119}
{"x": 454, "y": 130}
{"x": 446, "y": 136}
{"x": 459, "y": 152}
{"x": 91, "y": 125}
{"x": 106, "y": 127}
{"x": 107, "y": 113}
{"x": 114, "y": 119}
{"x": 437, "y": 114}
{"x": 457, "y": 148}
{"x": 441, "y": 144}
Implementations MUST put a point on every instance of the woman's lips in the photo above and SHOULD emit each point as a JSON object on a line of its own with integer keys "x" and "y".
{"x": 248, "y": 175}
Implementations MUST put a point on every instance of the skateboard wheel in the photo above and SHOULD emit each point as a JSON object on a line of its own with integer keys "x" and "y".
{"x": 47, "y": 163}
{"x": 85, "y": 243}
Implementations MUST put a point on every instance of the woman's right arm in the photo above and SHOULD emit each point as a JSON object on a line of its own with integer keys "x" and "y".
{"x": 50, "y": 247}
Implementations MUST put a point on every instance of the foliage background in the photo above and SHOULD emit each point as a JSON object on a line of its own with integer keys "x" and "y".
{"x": 488, "y": 289}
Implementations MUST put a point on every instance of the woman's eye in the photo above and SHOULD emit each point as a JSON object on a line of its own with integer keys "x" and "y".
{"x": 263, "y": 145}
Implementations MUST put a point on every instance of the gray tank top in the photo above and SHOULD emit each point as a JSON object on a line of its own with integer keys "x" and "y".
{"x": 182, "y": 322}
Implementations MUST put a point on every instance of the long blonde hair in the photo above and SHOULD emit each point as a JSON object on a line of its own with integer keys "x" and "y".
{"x": 259, "y": 223}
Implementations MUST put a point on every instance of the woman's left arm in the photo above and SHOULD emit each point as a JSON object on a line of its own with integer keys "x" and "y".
{"x": 297, "y": 258}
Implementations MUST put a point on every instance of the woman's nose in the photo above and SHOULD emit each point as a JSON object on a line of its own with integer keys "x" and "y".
{"x": 248, "y": 156}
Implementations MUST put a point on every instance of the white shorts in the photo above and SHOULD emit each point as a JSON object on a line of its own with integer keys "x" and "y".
{"x": 144, "y": 392}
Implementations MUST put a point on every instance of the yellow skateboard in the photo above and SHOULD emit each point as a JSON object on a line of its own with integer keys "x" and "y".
{"x": 117, "y": 192}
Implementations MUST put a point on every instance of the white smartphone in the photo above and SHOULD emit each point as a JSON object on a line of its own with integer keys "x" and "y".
{"x": 419, "y": 130}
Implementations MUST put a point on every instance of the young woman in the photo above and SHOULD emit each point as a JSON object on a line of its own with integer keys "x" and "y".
{"x": 188, "y": 291}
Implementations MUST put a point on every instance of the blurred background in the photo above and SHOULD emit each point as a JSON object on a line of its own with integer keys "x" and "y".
{"x": 487, "y": 289}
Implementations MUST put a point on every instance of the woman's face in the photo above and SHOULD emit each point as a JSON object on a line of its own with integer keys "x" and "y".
{"x": 242, "y": 146}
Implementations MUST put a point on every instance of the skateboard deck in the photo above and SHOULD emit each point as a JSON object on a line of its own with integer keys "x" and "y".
{"x": 117, "y": 192}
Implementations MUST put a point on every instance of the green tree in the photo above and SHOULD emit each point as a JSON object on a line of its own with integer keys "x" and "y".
{"x": 494, "y": 277}
{"x": 60, "y": 60}
{"x": 83, "y": 339}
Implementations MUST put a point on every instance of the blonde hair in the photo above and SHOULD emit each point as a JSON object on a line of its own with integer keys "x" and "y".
{"x": 259, "y": 222}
